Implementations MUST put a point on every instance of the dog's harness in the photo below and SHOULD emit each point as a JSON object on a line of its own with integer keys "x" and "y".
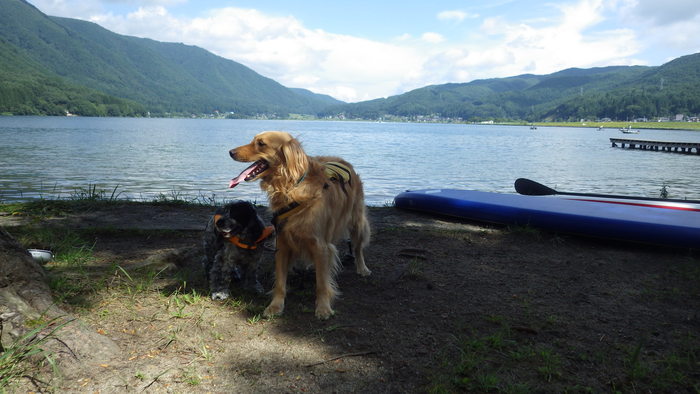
{"x": 279, "y": 215}
{"x": 267, "y": 231}
{"x": 335, "y": 172}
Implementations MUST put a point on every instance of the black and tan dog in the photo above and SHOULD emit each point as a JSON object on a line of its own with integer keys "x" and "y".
{"x": 233, "y": 248}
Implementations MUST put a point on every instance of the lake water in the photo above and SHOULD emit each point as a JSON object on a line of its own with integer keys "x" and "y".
{"x": 48, "y": 157}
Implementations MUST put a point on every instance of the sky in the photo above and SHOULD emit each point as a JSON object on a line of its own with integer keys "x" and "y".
{"x": 356, "y": 50}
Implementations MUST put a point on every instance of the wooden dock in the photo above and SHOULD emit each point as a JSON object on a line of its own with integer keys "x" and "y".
{"x": 663, "y": 146}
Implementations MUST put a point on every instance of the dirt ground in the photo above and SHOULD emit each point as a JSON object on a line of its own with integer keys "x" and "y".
{"x": 451, "y": 306}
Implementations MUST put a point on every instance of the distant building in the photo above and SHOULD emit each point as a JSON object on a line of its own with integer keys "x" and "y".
{"x": 679, "y": 117}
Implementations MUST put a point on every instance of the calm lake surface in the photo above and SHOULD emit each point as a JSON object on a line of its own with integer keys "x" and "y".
{"x": 49, "y": 157}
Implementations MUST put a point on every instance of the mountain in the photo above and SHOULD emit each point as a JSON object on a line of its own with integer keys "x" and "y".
{"x": 51, "y": 65}
{"x": 136, "y": 73}
{"x": 617, "y": 92}
{"x": 663, "y": 91}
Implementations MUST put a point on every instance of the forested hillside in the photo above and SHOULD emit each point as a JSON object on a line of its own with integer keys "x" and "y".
{"x": 51, "y": 66}
{"x": 673, "y": 88}
{"x": 28, "y": 88}
{"x": 89, "y": 64}
{"x": 618, "y": 92}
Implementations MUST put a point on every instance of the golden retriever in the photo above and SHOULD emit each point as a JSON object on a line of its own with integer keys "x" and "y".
{"x": 315, "y": 202}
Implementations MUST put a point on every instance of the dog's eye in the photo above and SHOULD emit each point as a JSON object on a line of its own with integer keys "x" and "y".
{"x": 261, "y": 143}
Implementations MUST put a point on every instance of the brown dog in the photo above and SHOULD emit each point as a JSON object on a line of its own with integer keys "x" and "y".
{"x": 316, "y": 201}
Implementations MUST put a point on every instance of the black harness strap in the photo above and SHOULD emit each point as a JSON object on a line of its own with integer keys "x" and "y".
{"x": 279, "y": 216}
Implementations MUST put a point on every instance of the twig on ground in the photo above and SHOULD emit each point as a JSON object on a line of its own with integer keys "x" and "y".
{"x": 155, "y": 379}
{"x": 341, "y": 356}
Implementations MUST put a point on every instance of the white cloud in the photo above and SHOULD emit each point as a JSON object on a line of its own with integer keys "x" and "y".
{"x": 281, "y": 48}
{"x": 666, "y": 12}
{"x": 455, "y": 15}
{"x": 68, "y": 8}
{"x": 354, "y": 69}
{"x": 670, "y": 27}
{"x": 432, "y": 38}
{"x": 507, "y": 48}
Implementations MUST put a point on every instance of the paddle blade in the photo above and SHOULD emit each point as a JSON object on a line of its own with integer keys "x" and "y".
{"x": 531, "y": 188}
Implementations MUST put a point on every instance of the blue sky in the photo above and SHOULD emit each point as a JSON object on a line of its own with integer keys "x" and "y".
{"x": 364, "y": 49}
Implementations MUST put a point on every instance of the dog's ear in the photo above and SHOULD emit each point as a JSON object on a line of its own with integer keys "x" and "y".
{"x": 239, "y": 211}
{"x": 296, "y": 162}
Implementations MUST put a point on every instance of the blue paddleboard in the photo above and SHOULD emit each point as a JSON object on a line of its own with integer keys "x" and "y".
{"x": 629, "y": 222}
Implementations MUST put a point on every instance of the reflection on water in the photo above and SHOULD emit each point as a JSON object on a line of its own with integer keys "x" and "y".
{"x": 143, "y": 158}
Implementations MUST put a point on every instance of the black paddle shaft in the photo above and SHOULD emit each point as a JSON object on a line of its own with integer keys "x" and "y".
{"x": 531, "y": 188}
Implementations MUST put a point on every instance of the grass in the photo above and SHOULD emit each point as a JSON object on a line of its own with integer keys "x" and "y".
{"x": 90, "y": 198}
{"x": 487, "y": 359}
{"x": 71, "y": 277}
{"x": 617, "y": 125}
{"x": 20, "y": 358}
{"x": 100, "y": 290}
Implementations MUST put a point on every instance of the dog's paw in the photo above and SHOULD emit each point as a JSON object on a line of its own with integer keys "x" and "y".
{"x": 363, "y": 271}
{"x": 273, "y": 310}
{"x": 324, "y": 312}
{"x": 219, "y": 295}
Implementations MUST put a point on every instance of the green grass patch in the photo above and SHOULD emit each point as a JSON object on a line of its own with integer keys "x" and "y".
{"x": 73, "y": 276}
{"x": 511, "y": 359}
{"x": 91, "y": 198}
{"x": 618, "y": 125}
{"x": 486, "y": 361}
{"x": 22, "y": 357}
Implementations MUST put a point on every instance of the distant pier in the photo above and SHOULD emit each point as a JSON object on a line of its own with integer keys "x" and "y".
{"x": 663, "y": 146}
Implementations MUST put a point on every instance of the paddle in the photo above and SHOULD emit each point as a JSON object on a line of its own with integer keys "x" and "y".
{"x": 531, "y": 188}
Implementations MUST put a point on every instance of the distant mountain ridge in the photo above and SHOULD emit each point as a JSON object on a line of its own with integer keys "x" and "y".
{"x": 137, "y": 73}
{"x": 616, "y": 92}
{"x": 53, "y": 66}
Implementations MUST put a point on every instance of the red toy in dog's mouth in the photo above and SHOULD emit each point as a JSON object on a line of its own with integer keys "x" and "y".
{"x": 250, "y": 173}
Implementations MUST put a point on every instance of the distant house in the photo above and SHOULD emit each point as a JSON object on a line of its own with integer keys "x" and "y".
{"x": 664, "y": 119}
{"x": 679, "y": 117}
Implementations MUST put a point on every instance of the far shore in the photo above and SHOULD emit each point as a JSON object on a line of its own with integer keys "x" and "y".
{"x": 690, "y": 126}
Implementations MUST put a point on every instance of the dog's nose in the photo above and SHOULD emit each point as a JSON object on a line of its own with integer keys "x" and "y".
{"x": 232, "y": 153}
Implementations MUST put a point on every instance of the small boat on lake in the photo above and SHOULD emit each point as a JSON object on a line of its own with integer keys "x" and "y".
{"x": 629, "y": 130}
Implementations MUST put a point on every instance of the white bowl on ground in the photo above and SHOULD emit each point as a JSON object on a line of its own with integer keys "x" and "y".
{"x": 40, "y": 255}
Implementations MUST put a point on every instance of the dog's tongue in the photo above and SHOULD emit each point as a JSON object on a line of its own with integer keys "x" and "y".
{"x": 241, "y": 177}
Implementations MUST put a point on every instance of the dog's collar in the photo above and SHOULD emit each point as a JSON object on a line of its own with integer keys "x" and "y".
{"x": 267, "y": 231}
{"x": 301, "y": 179}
